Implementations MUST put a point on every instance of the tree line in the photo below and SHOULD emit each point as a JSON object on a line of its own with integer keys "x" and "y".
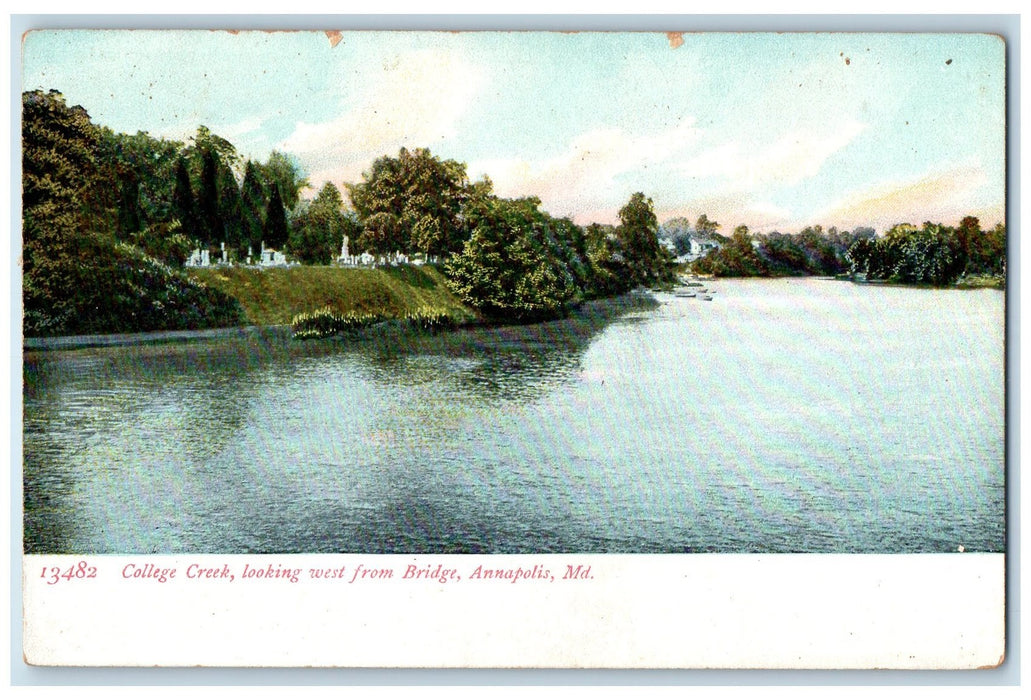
{"x": 109, "y": 220}
{"x": 143, "y": 203}
{"x": 84, "y": 268}
{"x": 934, "y": 254}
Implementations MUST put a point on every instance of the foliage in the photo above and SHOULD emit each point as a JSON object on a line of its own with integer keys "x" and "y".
{"x": 516, "y": 264}
{"x": 326, "y": 323}
{"x": 252, "y": 206}
{"x": 113, "y": 287}
{"x": 276, "y": 230}
{"x": 184, "y": 207}
{"x": 318, "y": 229}
{"x": 644, "y": 260}
{"x": 413, "y": 202}
{"x": 735, "y": 258}
{"x": 933, "y": 254}
{"x": 283, "y": 171}
{"x": 432, "y": 320}
{"x": 164, "y": 242}
{"x": 706, "y": 227}
{"x": 77, "y": 277}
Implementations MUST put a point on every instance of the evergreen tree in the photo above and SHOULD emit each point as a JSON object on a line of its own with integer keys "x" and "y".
{"x": 184, "y": 207}
{"x": 276, "y": 231}
{"x": 207, "y": 200}
{"x": 230, "y": 207}
{"x": 252, "y": 207}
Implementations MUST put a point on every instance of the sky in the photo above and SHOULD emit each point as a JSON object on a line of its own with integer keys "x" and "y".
{"x": 773, "y": 131}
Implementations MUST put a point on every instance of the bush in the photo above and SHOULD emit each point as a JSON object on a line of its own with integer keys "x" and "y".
{"x": 432, "y": 320}
{"x": 325, "y": 323}
{"x": 97, "y": 285}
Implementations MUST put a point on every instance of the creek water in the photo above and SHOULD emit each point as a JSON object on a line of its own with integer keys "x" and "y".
{"x": 793, "y": 415}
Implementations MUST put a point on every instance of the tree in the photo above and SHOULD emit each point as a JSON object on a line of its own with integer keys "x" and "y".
{"x": 77, "y": 277}
{"x": 637, "y": 235}
{"x": 140, "y": 173}
{"x": 513, "y": 266}
{"x": 58, "y": 167}
{"x": 381, "y": 234}
{"x": 230, "y": 212}
{"x": 252, "y": 207}
{"x": 423, "y": 195}
{"x": 184, "y": 207}
{"x": 705, "y": 227}
{"x": 318, "y": 229}
{"x": 276, "y": 231}
{"x": 208, "y": 215}
{"x": 285, "y": 173}
{"x": 736, "y": 258}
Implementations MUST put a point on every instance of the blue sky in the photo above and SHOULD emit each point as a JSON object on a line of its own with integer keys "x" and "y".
{"x": 775, "y": 131}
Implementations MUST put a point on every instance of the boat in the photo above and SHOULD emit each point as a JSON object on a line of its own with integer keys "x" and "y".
{"x": 684, "y": 294}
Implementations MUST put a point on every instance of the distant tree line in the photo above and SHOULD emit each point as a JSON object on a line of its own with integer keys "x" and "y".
{"x": 812, "y": 251}
{"x": 934, "y": 254}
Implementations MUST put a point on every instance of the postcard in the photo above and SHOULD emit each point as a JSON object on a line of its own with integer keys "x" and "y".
{"x": 514, "y": 349}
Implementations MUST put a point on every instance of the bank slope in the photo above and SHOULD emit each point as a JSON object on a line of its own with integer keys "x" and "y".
{"x": 274, "y": 296}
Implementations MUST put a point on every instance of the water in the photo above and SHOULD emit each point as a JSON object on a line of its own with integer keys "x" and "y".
{"x": 783, "y": 416}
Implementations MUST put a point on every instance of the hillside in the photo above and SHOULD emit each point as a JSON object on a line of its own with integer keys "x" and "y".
{"x": 274, "y": 296}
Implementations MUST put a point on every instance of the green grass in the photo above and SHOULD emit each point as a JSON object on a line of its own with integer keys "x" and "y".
{"x": 275, "y": 296}
{"x": 982, "y": 282}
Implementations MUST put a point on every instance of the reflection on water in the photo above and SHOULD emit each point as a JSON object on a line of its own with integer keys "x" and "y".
{"x": 792, "y": 415}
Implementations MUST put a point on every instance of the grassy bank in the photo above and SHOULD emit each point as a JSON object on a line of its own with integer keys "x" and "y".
{"x": 982, "y": 282}
{"x": 275, "y": 296}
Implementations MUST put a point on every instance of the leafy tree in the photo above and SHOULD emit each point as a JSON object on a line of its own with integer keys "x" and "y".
{"x": 735, "y": 258}
{"x": 58, "y": 165}
{"x": 706, "y": 227}
{"x": 604, "y": 262}
{"x": 513, "y": 267}
{"x": 382, "y": 234}
{"x": 318, "y": 229}
{"x": 644, "y": 258}
{"x": 424, "y": 197}
{"x": 285, "y": 173}
{"x": 678, "y": 231}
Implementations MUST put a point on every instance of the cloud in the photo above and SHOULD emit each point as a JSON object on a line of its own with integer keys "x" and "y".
{"x": 414, "y": 101}
{"x": 794, "y": 157}
{"x": 584, "y": 179}
{"x": 943, "y": 196}
{"x": 731, "y": 210}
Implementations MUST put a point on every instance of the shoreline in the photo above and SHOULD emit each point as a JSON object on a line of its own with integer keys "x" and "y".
{"x": 285, "y": 331}
{"x": 79, "y": 342}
